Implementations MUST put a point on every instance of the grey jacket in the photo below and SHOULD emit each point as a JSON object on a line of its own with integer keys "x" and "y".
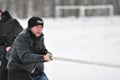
{"x": 27, "y": 52}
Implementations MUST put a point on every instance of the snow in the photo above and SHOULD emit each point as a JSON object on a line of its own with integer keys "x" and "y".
{"x": 91, "y": 39}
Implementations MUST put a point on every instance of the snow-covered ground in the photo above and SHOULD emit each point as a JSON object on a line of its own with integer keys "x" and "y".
{"x": 92, "y": 39}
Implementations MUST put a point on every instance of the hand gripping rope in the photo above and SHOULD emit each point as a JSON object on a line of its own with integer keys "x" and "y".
{"x": 86, "y": 62}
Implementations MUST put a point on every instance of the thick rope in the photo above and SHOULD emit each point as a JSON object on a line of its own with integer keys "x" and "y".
{"x": 87, "y": 62}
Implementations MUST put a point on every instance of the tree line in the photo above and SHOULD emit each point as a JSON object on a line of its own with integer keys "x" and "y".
{"x": 46, "y": 8}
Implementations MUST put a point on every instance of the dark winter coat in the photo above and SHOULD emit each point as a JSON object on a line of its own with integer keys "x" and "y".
{"x": 27, "y": 52}
{"x": 9, "y": 29}
{"x": 5, "y": 19}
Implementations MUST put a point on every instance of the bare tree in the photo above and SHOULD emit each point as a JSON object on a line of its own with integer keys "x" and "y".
{"x": 49, "y": 8}
{"x": 21, "y": 8}
{"x": 1, "y": 4}
{"x": 30, "y": 8}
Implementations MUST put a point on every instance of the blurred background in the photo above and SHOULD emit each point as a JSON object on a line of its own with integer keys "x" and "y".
{"x": 49, "y": 8}
{"x": 79, "y": 29}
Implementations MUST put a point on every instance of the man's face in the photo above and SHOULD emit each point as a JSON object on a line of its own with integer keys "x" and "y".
{"x": 37, "y": 30}
{"x": 0, "y": 15}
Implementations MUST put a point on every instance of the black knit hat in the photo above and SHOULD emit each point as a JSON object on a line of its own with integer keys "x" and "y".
{"x": 33, "y": 21}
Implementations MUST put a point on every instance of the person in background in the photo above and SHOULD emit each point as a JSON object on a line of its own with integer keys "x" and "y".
{"x": 28, "y": 53}
{"x": 9, "y": 29}
{"x": 0, "y": 22}
{"x": 1, "y": 14}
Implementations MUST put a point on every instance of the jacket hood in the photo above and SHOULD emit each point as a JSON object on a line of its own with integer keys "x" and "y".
{"x": 6, "y": 16}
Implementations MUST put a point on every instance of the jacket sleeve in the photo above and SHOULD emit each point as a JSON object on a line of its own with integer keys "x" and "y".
{"x": 22, "y": 45}
{"x": 15, "y": 28}
{"x": 18, "y": 28}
